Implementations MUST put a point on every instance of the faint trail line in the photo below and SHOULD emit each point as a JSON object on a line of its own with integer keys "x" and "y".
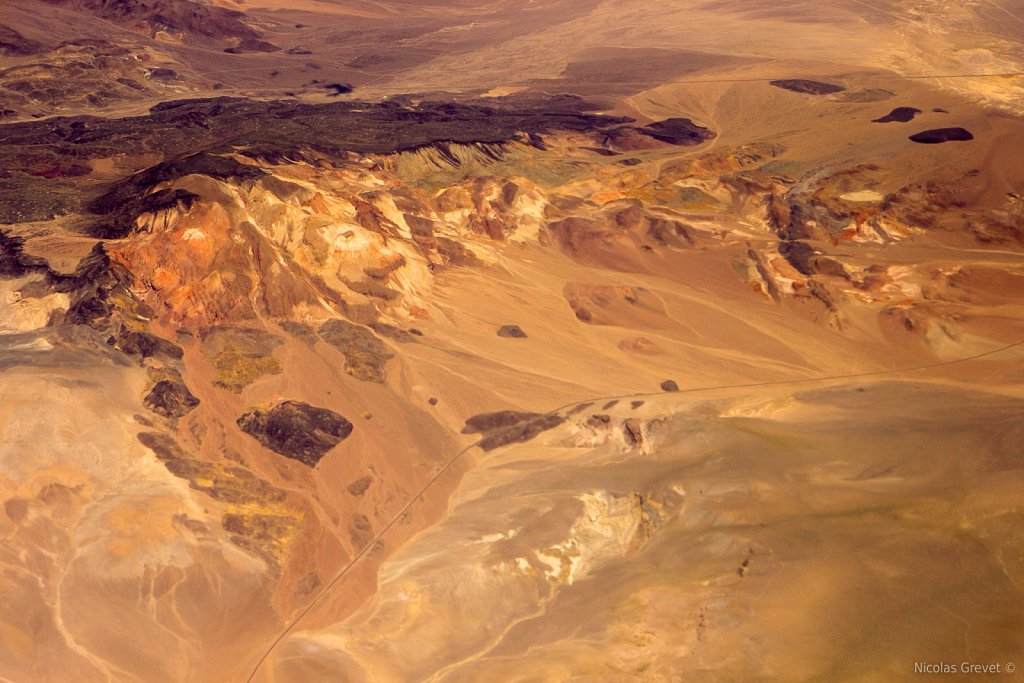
{"x": 884, "y": 11}
{"x": 1004, "y": 10}
{"x": 455, "y": 458}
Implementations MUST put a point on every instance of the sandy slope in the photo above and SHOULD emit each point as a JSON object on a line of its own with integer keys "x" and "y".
{"x": 834, "y": 533}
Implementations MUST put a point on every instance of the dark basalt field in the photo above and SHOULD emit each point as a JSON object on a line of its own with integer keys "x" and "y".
{"x": 807, "y": 87}
{"x": 272, "y": 130}
{"x": 940, "y": 135}
{"x": 297, "y": 430}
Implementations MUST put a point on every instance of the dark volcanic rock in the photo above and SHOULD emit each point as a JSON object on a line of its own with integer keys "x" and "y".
{"x": 128, "y": 198}
{"x": 509, "y": 426}
{"x": 147, "y": 345}
{"x": 678, "y": 131}
{"x": 899, "y": 115}
{"x": 365, "y": 354}
{"x": 14, "y": 262}
{"x": 94, "y": 287}
{"x": 252, "y": 45}
{"x": 807, "y": 87}
{"x": 669, "y": 385}
{"x": 633, "y": 433}
{"x": 520, "y": 433}
{"x": 193, "y": 135}
{"x": 485, "y": 422}
{"x": 799, "y": 254}
{"x": 511, "y": 331}
{"x": 939, "y": 135}
{"x": 170, "y": 398}
{"x": 296, "y": 430}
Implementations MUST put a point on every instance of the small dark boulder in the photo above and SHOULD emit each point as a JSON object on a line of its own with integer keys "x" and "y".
{"x": 899, "y": 115}
{"x": 940, "y": 135}
{"x": 511, "y": 331}
{"x": 296, "y": 430}
{"x": 669, "y": 385}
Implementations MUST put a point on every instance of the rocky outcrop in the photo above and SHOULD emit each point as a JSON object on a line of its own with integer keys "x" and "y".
{"x": 74, "y": 76}
{"x": 937, "y": 136}
{"x": 256, "y": 514}
{"x": 296, "y": 430}
{"x": 185, "y": 18}
{"x": 682, "y": 132}
{"x": 146, "y": 345}
{"x": 169, "y": 397}
{"x": 511, "y": 332}
{"x": 14, "y": 262}
{"x": 240, "y": 355}
{"x": 898, "y": 115}
{"x": 252, "y": 45}
{"x": 128, "y": 199}
{"x": 628, "y": 433}
{"x": 807, "y": 87}
{"x": 365, "y": 354}
{"x": 509, "y": 426}
{"x": 486, "y": 422}
{"x": 190, "y": 134}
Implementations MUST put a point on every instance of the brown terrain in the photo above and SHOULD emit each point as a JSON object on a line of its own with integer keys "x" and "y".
{"x": 582, "y": 340}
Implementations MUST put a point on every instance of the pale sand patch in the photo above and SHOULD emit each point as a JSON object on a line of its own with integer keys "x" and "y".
{"x": 862, "y": 196}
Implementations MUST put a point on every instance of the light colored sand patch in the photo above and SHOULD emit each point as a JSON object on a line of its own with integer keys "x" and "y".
{"x": 862, "y": 196}
{"x": 503, "y": 90}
